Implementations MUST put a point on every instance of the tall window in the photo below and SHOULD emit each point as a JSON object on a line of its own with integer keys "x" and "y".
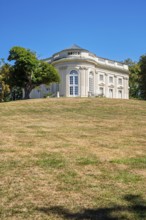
{"x": 74, "y": 83}
{"x": 120, "y": 94}
{"x": 101, "y": 78}
{"x": 110, "y": 79}
{"x": 101, "y": 91}
{"x": 110, "y": 93}
{"x": 120, "y": 81}
{"x": 91, "y": 83}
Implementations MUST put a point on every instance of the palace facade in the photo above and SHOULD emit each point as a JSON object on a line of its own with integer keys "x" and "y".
{"x": 84, "y": 74}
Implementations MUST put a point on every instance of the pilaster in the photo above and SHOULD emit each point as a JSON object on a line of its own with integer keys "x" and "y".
{"x": 64, "y": 85}
{"x": 96, "y": 83}
{"x": 115, "y": 82}
{"x": 126, "y": 88}
{"x": 106, "y": 85}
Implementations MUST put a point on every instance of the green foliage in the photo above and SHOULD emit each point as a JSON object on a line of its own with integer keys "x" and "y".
{"x": 137, "y": 77}
{"x": 16, "y": 93}
{"x": 142, "y": 74}
{"x": 134, "y": 70}
{"x": 134, "y": 81}
{"x": 29, "y": 72}
{"x": 24, "y": 66}
{"x": 4, "y": 87}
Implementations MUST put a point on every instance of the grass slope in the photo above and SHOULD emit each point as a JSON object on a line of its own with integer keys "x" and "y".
{"x": 73, "y": 159}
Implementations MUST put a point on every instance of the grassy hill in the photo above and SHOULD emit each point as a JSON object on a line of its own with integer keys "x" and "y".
{"x": 73, "y": 159}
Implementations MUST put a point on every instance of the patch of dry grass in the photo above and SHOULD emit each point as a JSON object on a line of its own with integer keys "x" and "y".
{"x": 73, "y": 159}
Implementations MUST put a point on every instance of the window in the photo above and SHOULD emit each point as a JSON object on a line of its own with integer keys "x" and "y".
{"x": 71, "y": 80}
{"x": 100, "y": 90}
{"x": 120, "y": 94}
{"x": 110, "y": 93}
{"x": 71, "y": 90}
{"x": 120, "y": 81}
{"x": 101, "y": 77}
{"x": 76, "y": 90}
{"x": 73, "y": 83}
{"x": 73, "y": 53}
{"x": 110, "y": 79}
{"x": 91, "y": 83}
{"x": 76, "y": 80}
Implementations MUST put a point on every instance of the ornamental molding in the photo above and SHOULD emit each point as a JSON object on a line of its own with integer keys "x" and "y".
{"x": 63, "y": 67}
{"x": 101, "y": 84}
{"x": 82, "y": 68}
{"x": 91, "y": 61}
{"x": 120, "y": 87}
{"x": 111, "y": 86}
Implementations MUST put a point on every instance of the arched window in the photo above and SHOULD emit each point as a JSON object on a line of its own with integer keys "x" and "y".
{"x": 74, "y": 83}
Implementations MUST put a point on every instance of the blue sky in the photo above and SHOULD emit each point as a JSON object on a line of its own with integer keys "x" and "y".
{"x": 114, "y": 29}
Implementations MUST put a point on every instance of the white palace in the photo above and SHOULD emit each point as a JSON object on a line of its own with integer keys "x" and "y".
{"x": 84, "y": 74}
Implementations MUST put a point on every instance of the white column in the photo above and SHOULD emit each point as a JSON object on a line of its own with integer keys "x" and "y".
{"x": 115, "y": 84}
{"x": 86, "y": 82}
{"x": 126, "y": 88}
{"x": 82, "y": 81}
{"x": 106, "y": 84}
{"x": 96, "y": 82}
{"x": 85, "y": 69}
{"x": 64, "y": 85}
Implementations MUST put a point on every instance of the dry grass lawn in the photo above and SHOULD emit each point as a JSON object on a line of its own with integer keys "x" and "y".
{"x": 73, "y": 159}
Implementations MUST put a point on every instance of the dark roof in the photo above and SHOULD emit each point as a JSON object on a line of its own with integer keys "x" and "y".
{"x": 75, "y": 47}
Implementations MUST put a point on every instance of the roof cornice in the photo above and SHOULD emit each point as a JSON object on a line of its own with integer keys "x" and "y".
{"x": 91, "y": 61}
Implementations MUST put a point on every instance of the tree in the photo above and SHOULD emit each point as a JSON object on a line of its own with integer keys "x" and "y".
{"x": 4, "y": 87}
{"x": 134, "y": 70}
{"x": 142, "y": 75}
{"x": 29, "y": 72}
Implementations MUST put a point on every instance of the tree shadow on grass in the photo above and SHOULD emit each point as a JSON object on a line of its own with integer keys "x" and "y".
{"x": 137, "y": 206}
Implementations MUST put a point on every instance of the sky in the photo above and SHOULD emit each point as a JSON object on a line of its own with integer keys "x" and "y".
{"x": 113, "y": 29}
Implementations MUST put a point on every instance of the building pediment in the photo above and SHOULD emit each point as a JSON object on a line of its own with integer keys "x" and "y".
{"x": 111, "y": 86}
{"x": 101, "y": 84}
{"x": 120, "y": 87}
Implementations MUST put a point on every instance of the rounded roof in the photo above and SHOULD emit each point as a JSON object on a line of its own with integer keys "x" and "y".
{"x": 73, "y": 47}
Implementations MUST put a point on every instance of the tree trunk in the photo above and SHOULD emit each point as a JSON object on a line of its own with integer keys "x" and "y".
{"x": 27, "y": 91}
